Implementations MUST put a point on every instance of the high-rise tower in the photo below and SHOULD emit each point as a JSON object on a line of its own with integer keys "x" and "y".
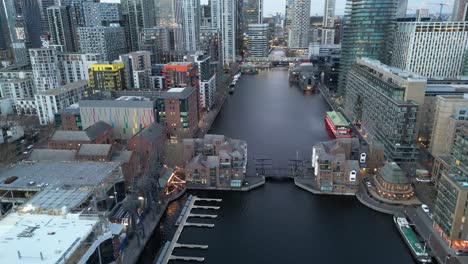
{"x": 328, "y": 33}
{"x": 299, "y": 32}
{"x": 367, "y": 32}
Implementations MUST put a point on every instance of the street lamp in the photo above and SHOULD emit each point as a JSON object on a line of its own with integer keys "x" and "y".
{"x": 428, "y": 243}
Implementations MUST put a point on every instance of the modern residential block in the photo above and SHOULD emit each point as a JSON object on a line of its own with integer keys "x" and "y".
{"x": 258, "y": 40}
{"x": 107, "y": 76}
{"x": 45, "y": 68}
{"x": 384, "y": 101}
{"x": 137, "y": 68}
{"x": 298, "y": 37}
{"x": 431, "y": 49}
{"x": 108, "y": 41}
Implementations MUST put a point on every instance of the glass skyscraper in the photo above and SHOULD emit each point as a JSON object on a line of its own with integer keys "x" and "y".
{"x": 367, "y": 32}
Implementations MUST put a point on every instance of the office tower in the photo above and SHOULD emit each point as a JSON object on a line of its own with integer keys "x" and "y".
{"x": 368, "y": 35}
{"x": 384, "y": 100}
{"x": 45, "y": 68}
{"x": 107, "y": 76}
{"x": 137, "y": 67}
{"x": 420, "y": 13}
{"x": 101, "y": 14}
{"x": 108, "y": 41}
{"x": 431, "y": 49}
{"x": 460, "y": 10}
{"x": 138, "y": 14}
{"x": 289, "y": 14}
{"x": 61, "y": 28}
{"x": 328, "y": 32}
{"x": 191, "y": 24}
{"x": 258, "y": 40}
{"x": 75, "y": 66}
{"x": 298, "y": 37}
{"x": 20, "y": 42}
{"x": 205, "y": 13}
{"x": 156, "y": 41}
{"x": 402, "y": 7}
{"x": 252, "y": 13}
{"x": 224, "y": 17}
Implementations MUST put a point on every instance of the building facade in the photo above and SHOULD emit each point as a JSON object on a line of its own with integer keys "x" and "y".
{"x": 137, "y": 67}
{"x": 215, "y": 162}
{"x": 207, "y": 79}
{"x": 252, "y": 13}
{"x": 107, "y": 76}
{"x": 298, "y": 37}
{"x": 367, "y": 32}
{"x": 139, "y": 14}
{"x": 224, "y": 17}
{"x": 328, "y": 32}
{"x": 178, "y": 112}
{"x": 156, "y": 40}
{"x": 258, "y": 40}
{"x": 191, "y": 24}
{"x": 384, "y": 101}
{"x": 62, "y": 28}
{"x": 50, "y": 102}
{"x": 422, "y": 48}
{"x": 75, "y": 66}
{"x": 402, "y": 7}
{"x": 450, "y": 114}
{"x": 45, "y": 68}
{"x": 180, "y": 74}
{"x": 126, "y": 114}
{"x": 460, "y": 11}
{"x": 110, "y": 42}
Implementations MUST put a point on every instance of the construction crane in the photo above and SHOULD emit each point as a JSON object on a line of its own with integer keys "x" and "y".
{"x": 441, "y": 7}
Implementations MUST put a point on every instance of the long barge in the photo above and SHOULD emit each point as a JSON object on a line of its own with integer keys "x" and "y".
{"x": 417, "y": 248}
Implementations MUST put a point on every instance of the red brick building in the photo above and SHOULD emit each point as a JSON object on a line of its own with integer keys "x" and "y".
{"x": 178, "y": 110}
{"x": 99, "y": 133}
{"x": 148, "y": 144}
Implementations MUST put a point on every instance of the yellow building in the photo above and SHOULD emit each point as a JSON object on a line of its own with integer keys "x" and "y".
{"x": 107, "y": 76}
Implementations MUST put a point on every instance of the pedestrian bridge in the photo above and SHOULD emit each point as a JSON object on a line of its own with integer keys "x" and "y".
{"x": 281, "y": 173}
{"x": 273, "y": 59}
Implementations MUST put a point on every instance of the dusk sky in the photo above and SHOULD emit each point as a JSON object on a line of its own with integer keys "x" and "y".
{"x": 273, "y": 6}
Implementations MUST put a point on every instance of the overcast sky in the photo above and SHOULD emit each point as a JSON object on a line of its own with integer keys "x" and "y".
{"x": 273, "y": 6}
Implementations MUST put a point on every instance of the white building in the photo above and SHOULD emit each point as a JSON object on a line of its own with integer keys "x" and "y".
{"x": 191, "y": 24}
{"x": 299, "y": 32}
{"x": 45, "y": 68}
{"x": 207, "y": 92}
{"x": 224, "y": 17}
{"x": 137, "y": 69}
{"x": 258, "y": 40}
{"x": 431, "y": 49}
{"x": 74, "y": 66}
{"x": 52, "y": 101}
{"x": 328, "y": 33}
{"x": 402, "y": 7}
{"x": 207, "y": 77}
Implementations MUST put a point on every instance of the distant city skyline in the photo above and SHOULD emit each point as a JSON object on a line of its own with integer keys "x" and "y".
{"x": 273, "y": 6}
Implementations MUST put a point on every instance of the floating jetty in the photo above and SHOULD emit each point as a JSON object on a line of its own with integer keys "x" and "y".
{"x": 205, "y": 207}
{"x": 203, "y": 215}
{"x": 177, "y": 245}
{"x": 166, "y": 253}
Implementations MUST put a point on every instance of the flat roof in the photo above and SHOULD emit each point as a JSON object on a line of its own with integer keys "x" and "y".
{"x": 178, "y": 93}
{"x": 175, "y": 90}
{"x": 52, "y": 155}
{"x": 33, "y": 235}
{"x": 94, "y": 149}
{"x": 65, "y": 88}
{"x": 56, "y": 174}
{"x": 337, "y": 118}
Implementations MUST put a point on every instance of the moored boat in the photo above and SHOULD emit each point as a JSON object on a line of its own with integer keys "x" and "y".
{"x": 418, "y": 249}
{"x": 337, "y": 125}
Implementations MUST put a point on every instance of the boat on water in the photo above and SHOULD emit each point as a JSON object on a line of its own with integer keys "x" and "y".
{"x": 231, "y": 90}
{"x": 418, "y": 249}
{"x": 337, "y": 125}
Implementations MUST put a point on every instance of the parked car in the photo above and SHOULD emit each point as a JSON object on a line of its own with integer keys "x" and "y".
{"x": 462, "y": 252}
{"x": 425, "y": 208}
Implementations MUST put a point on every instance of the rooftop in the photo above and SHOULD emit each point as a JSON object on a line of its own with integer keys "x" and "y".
{"x": 177, "y": 93}
{"x": 337, "y": 118}
{"x": 121, "y": 102}
{"x": 52, "y": 155}
{"x": 379, "y": 66}
{"x": 72, "y": 109}
{"x": 65, "y": 88}
{"x": 33, "y": 235}
{"x": 94, "y": 149}
{"x": 89, "y": 134}
{"x": 392, "y": 173}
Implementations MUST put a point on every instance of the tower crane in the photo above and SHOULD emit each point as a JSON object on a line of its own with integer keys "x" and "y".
{"x": 441, "y": 7}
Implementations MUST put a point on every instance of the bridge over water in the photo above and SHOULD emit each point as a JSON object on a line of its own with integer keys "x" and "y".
{"x": 264, "y": 167}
